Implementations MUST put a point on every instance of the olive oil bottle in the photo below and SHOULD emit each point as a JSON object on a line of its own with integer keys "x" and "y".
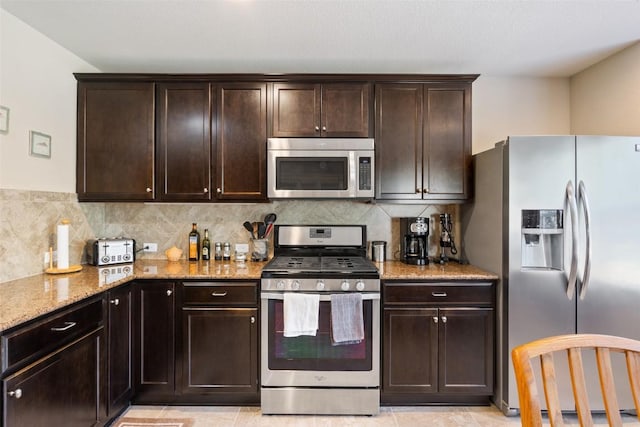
{"x": 206, "y": 246}
{"x": 194, "y": 243}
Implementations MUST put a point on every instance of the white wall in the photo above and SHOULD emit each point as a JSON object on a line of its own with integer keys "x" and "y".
{"x": 504, "y": 106}
{"x": 37, "y": 85}
{"x": 605, "y": 98}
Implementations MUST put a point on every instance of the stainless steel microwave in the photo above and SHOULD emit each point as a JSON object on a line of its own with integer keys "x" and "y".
{"x": 320, "y": 168}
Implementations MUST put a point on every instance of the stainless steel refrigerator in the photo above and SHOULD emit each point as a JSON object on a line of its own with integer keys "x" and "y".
{"x": 558, "y": 219}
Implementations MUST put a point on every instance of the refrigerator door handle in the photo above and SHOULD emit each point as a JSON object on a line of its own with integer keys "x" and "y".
{"x": 570, "y": 199}
{"x": 584, "y": 202}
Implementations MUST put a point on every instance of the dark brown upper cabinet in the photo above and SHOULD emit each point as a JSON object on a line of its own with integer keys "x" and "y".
{"x": 423, "y": 141}
{"x": 321, "y": 110}
{"x": 241, "y": 144}
{"x": 183, "y": 145}
{"x": 115, "y": 147}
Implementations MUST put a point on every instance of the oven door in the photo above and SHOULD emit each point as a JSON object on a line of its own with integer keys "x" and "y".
{"x": 308, "y": 361}
{"x": 320, "y": 174}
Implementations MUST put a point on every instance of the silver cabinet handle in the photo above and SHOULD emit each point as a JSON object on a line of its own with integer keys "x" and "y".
{"x": 584, "y": 201}
{"x": 115, "y": 301}
{"x": 435, "y": 319}
{"x": 149, "y": 190}
{"x": 219, "y": 294}
{"x": 425, "y": 191}
{"x": 324, "y": 128}
{"x": 253, "y": 319}
{"x": 66, "y": 327}
{"x": 570, "y": 199}
{"x": 218, "y": 190}
{"x": 444, "y": 319}
{"x": 169, "y": 292}
{"x": 418, "y": 190}
{"x": 438, "y": 294}
{"x": 317, "y": 128}
{"x": 17, "y": 393}
{"x": 206, "y": 190}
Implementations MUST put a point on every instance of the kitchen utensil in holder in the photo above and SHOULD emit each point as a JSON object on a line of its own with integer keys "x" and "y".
{"x": 259, "y": 249}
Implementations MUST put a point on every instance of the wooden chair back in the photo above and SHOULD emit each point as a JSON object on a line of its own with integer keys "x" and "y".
{"x": 603, "y": 345}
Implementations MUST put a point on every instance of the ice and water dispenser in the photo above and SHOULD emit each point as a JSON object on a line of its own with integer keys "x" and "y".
{"x": 542, "y": 239}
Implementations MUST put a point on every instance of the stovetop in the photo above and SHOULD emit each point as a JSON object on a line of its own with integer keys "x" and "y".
{"x": 320, "y": 265}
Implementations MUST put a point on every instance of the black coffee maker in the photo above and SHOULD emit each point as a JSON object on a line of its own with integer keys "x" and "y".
{"x": 415, "y": 240}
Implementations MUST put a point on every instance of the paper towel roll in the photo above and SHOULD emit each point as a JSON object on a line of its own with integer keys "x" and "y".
{"x": 63, "y": 245}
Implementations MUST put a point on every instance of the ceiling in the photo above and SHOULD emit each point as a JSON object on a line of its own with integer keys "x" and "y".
{"x": 489, "y": 37}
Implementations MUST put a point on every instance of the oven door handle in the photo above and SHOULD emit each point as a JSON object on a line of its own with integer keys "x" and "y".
{"x": 323, "y": 297}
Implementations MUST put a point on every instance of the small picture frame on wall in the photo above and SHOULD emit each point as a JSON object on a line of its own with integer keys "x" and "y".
{"x": 4, "y": 119}
{"x": 40, "y": 144}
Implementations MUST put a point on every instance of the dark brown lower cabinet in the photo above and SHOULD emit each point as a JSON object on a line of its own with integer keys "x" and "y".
{"x": 120, "y": 355}
{"x": 220, "y": 353}
{"x": 62, "y": 389}
{"x": 154, "y": 339}
{"x": 437, "y": 347}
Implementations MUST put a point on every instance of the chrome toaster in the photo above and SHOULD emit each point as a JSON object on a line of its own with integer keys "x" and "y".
{"x": 111, "y": 251}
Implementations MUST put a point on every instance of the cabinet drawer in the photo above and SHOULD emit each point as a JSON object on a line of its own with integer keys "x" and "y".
{"x": 51, "y": 332}
{"x": 438, "y": 293}
{"x": 220, "y": 293}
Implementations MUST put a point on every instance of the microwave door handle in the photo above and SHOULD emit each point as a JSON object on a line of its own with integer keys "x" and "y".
{"x": 584, "y": 202}
{"x": 570, "y": 199}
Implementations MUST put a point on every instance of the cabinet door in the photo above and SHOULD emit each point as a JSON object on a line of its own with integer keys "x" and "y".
{"x": 296, "y": 109}
{"x": 447, "y": 142}
{"x": 115, "y": 131}
{"x": 61, "y": 389}
{"x": 410, "y": 359}
{"x": 345, "y": 110}
{"x": 120, "y": 385}
{"x": 466, "y": 350}
{"x": 241, "y": 150}
{"x": 399, "y": 128}
{"x": 184, "y": 141}
{"x": 154, "y": 337}
{"x": 220, "y": 350}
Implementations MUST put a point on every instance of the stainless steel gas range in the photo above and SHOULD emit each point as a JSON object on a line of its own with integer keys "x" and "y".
{"x": 320, "y": 371}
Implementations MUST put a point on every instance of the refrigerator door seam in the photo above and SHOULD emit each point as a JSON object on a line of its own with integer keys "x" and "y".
{"x": 584, "y": 202}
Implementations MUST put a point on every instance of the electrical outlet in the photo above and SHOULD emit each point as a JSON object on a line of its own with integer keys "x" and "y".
{"x": 150, "y": 247}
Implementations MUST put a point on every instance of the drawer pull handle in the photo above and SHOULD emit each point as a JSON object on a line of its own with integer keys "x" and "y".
{"x": 435, "y": 319}
{"x": 169, "y": 292}
{"x": 219, "y": 294}
{"x": 68, "y": 325}
{"x": 444, "y": 319}
{"x": 17, "y": 394}
{"x": 115, "y": 301}
{"x": 253, "y": 319}
{"x": 439, "y": 294}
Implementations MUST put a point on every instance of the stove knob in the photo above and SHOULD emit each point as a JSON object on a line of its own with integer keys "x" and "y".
{"x": 295, "y": 285}
{"x": 280, "y": 284}
{"x": 320, "y": 285}
{"x": 360, "y": 285}
{"x": 344, "y": 286}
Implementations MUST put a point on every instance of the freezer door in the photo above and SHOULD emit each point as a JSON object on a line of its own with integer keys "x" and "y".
{"x": 539, "y": 169}
{"x": 609, "y": 168}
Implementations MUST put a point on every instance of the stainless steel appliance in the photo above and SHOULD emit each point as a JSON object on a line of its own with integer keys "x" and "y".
{"x": 111, "y": 251}
{"x": 415, "y": 240}
{"x": 556, "y": 218}
{"x": 330, "y": 168}
{"x": 310, "y": 374}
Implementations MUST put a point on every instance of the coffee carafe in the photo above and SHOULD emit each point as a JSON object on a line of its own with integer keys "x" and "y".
{"x": 415, "y": 240}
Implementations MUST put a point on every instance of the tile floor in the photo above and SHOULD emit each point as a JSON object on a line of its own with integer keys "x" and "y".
{"x": 397, "y": 416}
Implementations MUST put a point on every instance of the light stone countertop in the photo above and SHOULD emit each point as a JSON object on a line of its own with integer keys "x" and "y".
{"x": 25, "y": 299}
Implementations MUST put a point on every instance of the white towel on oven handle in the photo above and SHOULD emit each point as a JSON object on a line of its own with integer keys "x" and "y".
{"x": 301, "y": 312}
{"x": 347, "y": 320}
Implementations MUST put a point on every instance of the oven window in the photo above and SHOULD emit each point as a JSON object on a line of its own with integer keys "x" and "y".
{"x": 317, "y": 353}
{"x": 312, "y": 173}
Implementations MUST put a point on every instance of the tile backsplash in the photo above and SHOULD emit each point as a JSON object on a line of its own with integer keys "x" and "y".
{"x": 28, "y": 220}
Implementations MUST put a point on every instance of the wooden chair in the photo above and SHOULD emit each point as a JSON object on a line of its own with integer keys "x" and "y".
{"x": 530, "y": 411}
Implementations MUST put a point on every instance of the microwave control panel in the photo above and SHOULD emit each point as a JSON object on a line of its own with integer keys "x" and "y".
{"x": 364, "y": 171}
